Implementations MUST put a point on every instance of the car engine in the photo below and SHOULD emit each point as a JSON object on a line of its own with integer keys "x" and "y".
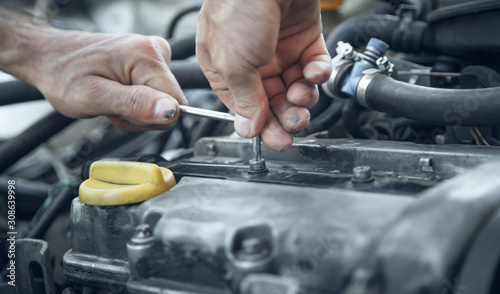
{"x": 393, "y": 188}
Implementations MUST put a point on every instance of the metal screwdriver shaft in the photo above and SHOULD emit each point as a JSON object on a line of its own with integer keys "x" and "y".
{"x": 217, "y": 115}
{"x": 256, "y": 148}
{"x": 257, "y": 163}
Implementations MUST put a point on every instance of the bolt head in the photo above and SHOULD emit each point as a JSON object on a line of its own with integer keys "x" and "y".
{"x": 251, "y": 246}
{"x": 257, "y": 166}
{"x": 252, "y": 249}
{"x": 143, "y": 235}
{"x": 361, "y": 174}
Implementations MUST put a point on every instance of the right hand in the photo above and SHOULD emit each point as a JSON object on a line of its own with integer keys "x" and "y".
{"x": 264, "y": 59}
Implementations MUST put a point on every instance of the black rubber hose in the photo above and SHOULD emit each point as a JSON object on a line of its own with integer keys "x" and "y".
{"x": 474, "y": 107}
{"x": 350, "y": 111}
{"x": 183, "y": 48}
{"x": 462, "y": 9}
{"x": 179, "y": 15}
{"x": 58, "y": 203}
{"x": 17, "y": 91}
{"x": 324, "y": 120}
{"x": 30, "y": 195}
{"x": 189, "y": 75}
{"x": 14, "y": 149}
{"x": 421, "y": 6}
{"x": 28, "y": 190}
{"x": 358, "y": 30}
{"x": 354, "y": 31}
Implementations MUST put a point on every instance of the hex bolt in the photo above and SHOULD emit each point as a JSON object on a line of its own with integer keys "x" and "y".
{"x": 143, "y": 231}
{"x": 251, "y": 246}
{"x": 362, "y": 174}
{"x": 384, "y": 64}
{"x": 252, "y": 249}
{"x": 257, "y": 164}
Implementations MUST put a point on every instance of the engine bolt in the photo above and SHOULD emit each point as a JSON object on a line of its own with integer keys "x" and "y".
{"x": 251, "y": 246}
{"x": 252, "y": 249}
{"x": 362, "y": 174}
{"x": 143, "y": 234}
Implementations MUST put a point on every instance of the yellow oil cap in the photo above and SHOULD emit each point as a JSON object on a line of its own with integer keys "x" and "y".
{"x": 330, "y": 4}
{"x": 124, "y": 182}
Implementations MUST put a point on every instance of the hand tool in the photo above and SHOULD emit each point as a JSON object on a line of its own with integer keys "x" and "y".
{"x": 257, "y": 163}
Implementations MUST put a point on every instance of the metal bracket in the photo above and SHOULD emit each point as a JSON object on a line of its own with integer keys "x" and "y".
{"x": 28, "y": 252}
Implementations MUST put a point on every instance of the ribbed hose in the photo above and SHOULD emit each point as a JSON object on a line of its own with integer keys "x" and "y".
{"x": 475, "y": 107}
{"x": 358, "y": 30}
{"x": 420, "y": 7}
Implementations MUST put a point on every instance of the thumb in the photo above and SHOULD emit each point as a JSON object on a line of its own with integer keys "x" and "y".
{"x": 250, "y": 102}
{"x": 137, "y": 103}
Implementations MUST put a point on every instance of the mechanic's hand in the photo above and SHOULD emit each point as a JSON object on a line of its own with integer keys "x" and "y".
{"x": 263, "y": 59}
{"x": 125, "y": 77}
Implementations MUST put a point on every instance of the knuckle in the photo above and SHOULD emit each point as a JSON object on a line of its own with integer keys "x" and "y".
{"x": 135, "y": 104}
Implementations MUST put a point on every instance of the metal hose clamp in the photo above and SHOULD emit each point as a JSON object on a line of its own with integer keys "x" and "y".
{"x": 364, "y": 82}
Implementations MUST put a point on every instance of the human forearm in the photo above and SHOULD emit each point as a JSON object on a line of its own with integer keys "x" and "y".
{"x": 82, "y": 74}
{"x": 23, "y": 42}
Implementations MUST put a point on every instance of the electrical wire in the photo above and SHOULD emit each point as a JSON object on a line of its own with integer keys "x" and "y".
{"x": 62, "y": 194}
{"x": 475, "y": 136}
{"x": 481, "y": 136}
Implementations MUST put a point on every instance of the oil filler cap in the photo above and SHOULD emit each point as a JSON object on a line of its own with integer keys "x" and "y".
{"x": 124, "y": 182}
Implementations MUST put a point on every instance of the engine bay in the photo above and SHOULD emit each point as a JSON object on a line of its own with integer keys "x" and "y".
{"x": 393, "y": 188}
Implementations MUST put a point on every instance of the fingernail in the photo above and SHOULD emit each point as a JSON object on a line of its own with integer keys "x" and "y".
{"x": 313, "y": 75}
{"x": 165, "y": 109}
{"x": 299, "y": 122}
{"x": 320, "y": 69}
{"x": 242, "y": 125}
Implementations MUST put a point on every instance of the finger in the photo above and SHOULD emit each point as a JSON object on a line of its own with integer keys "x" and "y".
{"x": 162, "y": 47}
{"x": 131, "y": 126}
{"x": 291, "y": 117}
{"x": 216, "y": 81}
{"x": 301, "y": 92}
{"x": 140, "y": 103}
{"x": 316, "y": 62}
{"x": 155, "y": 73}
{"x": 249, "y": 98}
{"x": 274, "y": 136}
